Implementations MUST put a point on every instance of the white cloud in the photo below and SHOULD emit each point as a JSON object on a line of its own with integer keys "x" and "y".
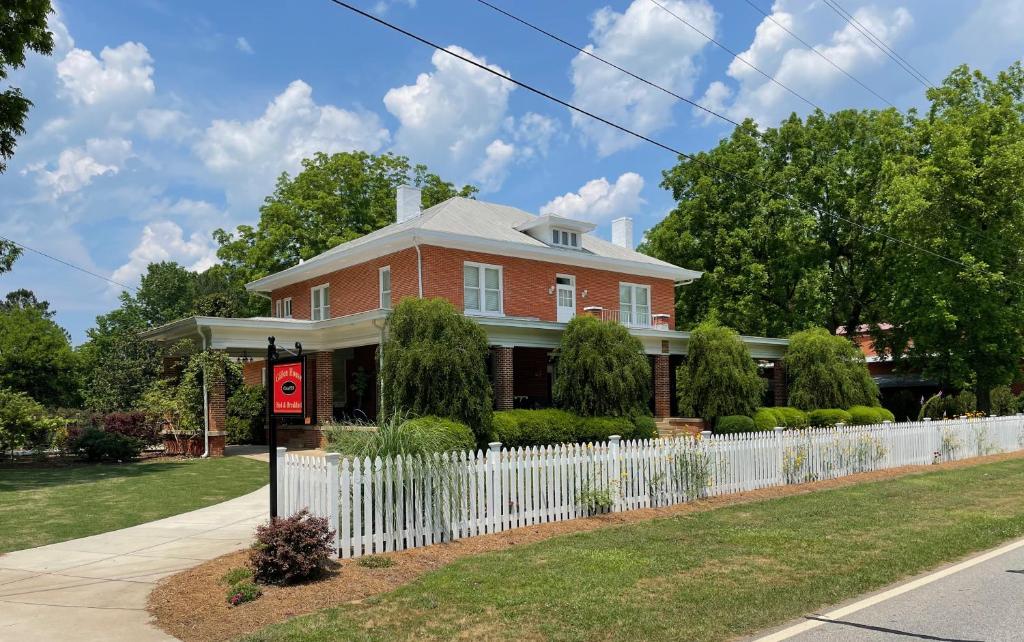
{"x": 652, "y": 44}
{"x": 78, "y": 166}
{"x": 243, "y": 45}
{"x": 599, "y": 201}
{"x": 450, "y": 116}
{"x": 250, "y": 154}
{"x": 494, "y": 169}
{"x": 170, "y": 124}
{"x": 382, "y": 6}
{"x": 534, "y": 132}
{"x": 121, "y": 74}
{"x": 165, "y": 241}
{"x": 776, "y": 53}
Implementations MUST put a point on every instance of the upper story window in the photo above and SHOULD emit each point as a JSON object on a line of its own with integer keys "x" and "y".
{"x": 320, "y": 304}
{"x": 283, "y": 308}
{"x": 634, "y": 304}
{"x": 565, "y": 238}
{"x": 385, "y": 287}
{"x": 482, "y": 288}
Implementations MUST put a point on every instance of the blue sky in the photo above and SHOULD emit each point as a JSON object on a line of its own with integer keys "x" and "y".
{"x": 156, "y": 122}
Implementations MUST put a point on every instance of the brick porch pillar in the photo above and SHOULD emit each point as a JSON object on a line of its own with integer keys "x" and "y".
{"x": 662, "y": 387}
{"x": 780, "y": 392}
{"x": 324, "y": 391}
{"x": 217, "y": 406}
{"x": 502, "y": 377}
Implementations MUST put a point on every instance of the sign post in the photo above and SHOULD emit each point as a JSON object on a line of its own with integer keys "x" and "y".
{"x": 286, "y": 398}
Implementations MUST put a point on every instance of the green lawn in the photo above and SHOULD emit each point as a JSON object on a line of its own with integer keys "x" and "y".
{"x": 712, "y": 575}
{"x": 46, "y": 505}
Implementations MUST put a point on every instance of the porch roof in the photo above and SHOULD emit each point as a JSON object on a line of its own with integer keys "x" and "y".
{"x": 238, "y": 336}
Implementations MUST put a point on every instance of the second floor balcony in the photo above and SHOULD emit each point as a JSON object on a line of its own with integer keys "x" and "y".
{"x": 638, "y": 317}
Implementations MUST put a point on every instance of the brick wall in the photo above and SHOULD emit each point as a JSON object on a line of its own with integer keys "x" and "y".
{"x": 357, "y": 288}
{"x": 324, "y": 387}
{"x": 252, "y": 373}
{"x": 526, "y": 283}
{"x": 662, "y": 386}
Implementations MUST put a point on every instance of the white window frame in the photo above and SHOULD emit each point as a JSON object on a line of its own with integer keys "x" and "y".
{"x": 324, "y": 307}
{"x": 283, "y": 308}
{"x": 632, "y": 302}
{"x": 483, "y": 290}
{"x": 569, "y": 237}
{"x": 385, "y": 304}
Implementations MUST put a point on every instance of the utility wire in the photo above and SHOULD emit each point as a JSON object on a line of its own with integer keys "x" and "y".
{"x": 70, "y": 265}
{"x": 821, "y": 55}
{"x": 607, "y": 62}
{"x": 642, "y": 137}
{"x": 879, "y": 43}
{"x": 734, "y": 54}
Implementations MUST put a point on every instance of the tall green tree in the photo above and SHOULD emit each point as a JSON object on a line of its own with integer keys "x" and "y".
{"x": 719, "y": 377}
{"x": 22, "y": 29}
{"x": 958, "y": 309}
{"x": 776, "y": 221}
{"x": 36, "y": 357}
{"x": 23, "y": 299}
{"x": 334, "y": 199}
{"x": 827, "y": 371}
{"x": 9, "y": 253}
{"x": 117, "y": 366}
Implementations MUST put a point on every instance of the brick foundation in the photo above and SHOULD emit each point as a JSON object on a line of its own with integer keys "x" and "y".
{"x": 662, "y": 386}
{"x": 503, "y": 378}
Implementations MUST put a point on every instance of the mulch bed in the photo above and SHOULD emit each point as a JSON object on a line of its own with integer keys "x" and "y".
{"x": 191, "y": 605}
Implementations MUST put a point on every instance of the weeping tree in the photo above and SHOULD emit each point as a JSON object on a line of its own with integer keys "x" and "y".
{"x": 602, "y": 370}
{"x": 827, "y": 371}
{"x": 434, "y": 363}
{"x": 719, "y": 377}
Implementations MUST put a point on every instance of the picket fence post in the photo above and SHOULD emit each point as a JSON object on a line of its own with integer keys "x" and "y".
{"x": 493, "y": 476}
{"x": 333, "y": 477}
{"x": 282, "y": 482}
{"x": 614, "y": 471}
{"x": 780, "y": 477}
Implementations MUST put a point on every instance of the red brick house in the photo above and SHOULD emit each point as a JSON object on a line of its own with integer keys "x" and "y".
{"x": 521, "y": 276}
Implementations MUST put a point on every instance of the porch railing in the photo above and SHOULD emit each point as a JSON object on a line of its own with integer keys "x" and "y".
{"x": 631, "y": 318}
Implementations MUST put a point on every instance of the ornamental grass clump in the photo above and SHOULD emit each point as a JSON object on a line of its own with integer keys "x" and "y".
{"x": 291, "y": 549}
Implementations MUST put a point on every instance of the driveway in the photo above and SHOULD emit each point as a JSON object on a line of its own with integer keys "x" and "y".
{"x": 95, "y": 588}
{"x": 975, "y": 600}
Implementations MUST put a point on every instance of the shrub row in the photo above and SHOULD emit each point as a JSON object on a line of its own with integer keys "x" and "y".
{"x": 769, "y": 418}
{"x": 516, "y": 428}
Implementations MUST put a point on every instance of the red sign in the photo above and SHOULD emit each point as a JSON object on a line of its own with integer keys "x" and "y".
{"x": 288, "y": 389}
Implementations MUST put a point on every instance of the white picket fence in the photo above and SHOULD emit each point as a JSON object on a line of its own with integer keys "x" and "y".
{"x": 397, "y": 503}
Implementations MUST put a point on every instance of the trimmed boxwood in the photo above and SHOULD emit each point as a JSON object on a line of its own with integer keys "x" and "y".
{"x": 515, "y": 428}
{"x": 729, "y": 424}
{"x": 828, "y": 417}
{"x": 768, "y": 418}
{"x": 862, "y": 415}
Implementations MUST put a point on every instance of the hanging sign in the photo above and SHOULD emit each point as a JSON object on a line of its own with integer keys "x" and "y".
{"x": 289, "y": 389}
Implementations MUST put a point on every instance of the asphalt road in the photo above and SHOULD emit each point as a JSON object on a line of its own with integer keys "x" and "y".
{"x": 984, "y": 602}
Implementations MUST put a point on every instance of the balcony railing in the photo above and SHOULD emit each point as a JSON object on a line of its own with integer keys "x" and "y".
{"x": 631, "y": 318}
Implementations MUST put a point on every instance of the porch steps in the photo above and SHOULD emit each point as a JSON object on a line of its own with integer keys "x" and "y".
{"x": 678, "y": 426}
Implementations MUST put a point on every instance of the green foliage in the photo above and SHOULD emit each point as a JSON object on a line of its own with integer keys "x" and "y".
{"x": 36, "y": 357}
{"x": 24, "y": 423}
{"x": 769, "y": 418}
{"x": 22, "y": 299}
{"x": 728, "y": 424}
{"x": 602, "y": 370}
{"x": 334, "y": 199}
{"x": 22, "y": 29}
{"x": 949, "y": 406}
{"x": 434, "y": 363}
{"x": 399, "y": 435}
{"x": 210, "y": 366}
{"x": 449, "y": 434}
{"x": 863, "y": 415}
{"x": 291, "y": 549}
{"x": 236, "y": 575}
{"x": 515, "y": 428}
{"x": 1003, "y": 401}
{"x": 242, "y": 592}
{"x": 825, "y": 417}
{"x": 101, "y": 445}
{"x": 827, "y": 371}
{"x": 719, "y": 376}
{"x": 117, "y": 366}
{"x": 9, "y": 253}
{"x": 766, "y": 419}
{"x": 246, "y": 410}
{"x": 376, "y": 561}
{"x": 934, "y": 408}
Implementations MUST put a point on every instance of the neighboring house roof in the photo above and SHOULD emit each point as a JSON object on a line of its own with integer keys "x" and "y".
{"x": 464, "y": 223}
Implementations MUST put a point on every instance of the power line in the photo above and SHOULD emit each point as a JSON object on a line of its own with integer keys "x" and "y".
{"x": 821, "y": 55}
{"x": 642, "y": 137}
{"x": 734, "y": 54}
{"x": 879, "y": 43}
{"x": 70, "y": 265}
{"x": 607, "y": 62}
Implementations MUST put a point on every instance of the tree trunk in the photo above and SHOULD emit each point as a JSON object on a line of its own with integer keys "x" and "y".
{"x": 983, "y": 393}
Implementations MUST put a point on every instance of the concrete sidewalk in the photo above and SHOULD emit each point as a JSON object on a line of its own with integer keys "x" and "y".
{"x": 95, "y": 588}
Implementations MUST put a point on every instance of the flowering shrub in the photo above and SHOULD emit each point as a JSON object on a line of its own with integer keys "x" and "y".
{"x": 242, "y": 592}
{"x": 291, "y": 549}
{"x": 135, "y": 425}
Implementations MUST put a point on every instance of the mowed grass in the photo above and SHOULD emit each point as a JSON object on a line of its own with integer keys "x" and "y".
{"x": 46, "y": 505}
{"x": 711, "y": 575}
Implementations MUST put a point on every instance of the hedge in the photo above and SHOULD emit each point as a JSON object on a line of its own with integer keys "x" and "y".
{"x": 515, "y": 428}
{"x": 861, "y": 415}
{"x": 768, "y": 418}
{"x": 729, "y": 424}
{"x": 451, "y": 434}
{"x": 828, "y": 417}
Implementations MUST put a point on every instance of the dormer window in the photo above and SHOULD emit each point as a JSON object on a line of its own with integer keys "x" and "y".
{"x": 565, "y": 238}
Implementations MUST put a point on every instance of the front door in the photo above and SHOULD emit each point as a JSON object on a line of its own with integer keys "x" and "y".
{"x": 565, "y": 291}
